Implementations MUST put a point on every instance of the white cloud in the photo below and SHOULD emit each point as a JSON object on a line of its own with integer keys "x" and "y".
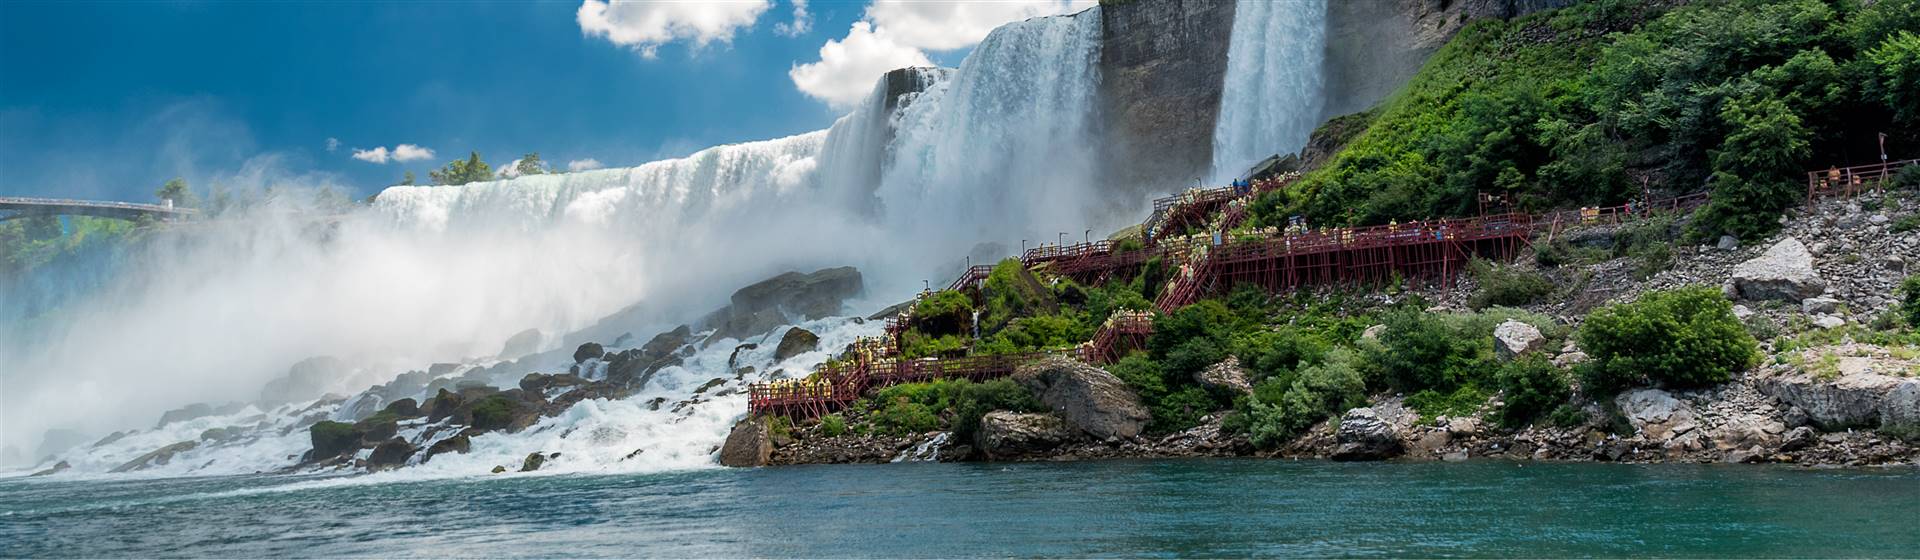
{"x": 333, "y": 144}
{"x": 410, "y": 152}
{"x": 376, "y": 155}
{"x": 848, "y": 67}
{"x": 644, "y": 26}
{"x": 943, "y": 26}
{"x": 400, "y": 153}
{"x": 801, "y": 24}
{"x": 584, "y": 164}
{"x": 898, "y": 33}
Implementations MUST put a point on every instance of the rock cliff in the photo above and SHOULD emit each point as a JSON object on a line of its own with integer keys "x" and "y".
{"x": 1162, "y": 64}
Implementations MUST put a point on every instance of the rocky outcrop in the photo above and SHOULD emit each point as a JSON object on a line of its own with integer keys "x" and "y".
{"x": 1225, "y": 376}
{"x": 749, "y": 444}
{"x": 1087, "y": 397}
{"x": 1512, "y": 339}
{"x": 196, "y": 410}
{"x": 633, "y": 368}
{"x": 1012, "y": 434}
{"x": 57, "y": 468}
{"x": 533, "y": 462}
{"x": 390, "y": 454}
{"x": 521, "y": 344}
{"x": 1364, "y": 436}
{"x": 156, "y": 457}
{"x": 1162, "y": 67}
{"x": 1655, "y": 414}
{"x": 1853, "y": 400}
{"x": 1784, "y": 272}
{"x": 588, "y": 351}
{"x": 796, "y": 341}
{"x": 785, "y": 299}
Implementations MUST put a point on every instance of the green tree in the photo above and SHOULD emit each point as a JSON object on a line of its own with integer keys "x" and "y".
{"x": 176, "y": 190}
{"x": 1896, "y": 76}
{"x": 530, "y": 164}
{"x": 407, "y": 178}
{"x": 461, "y": 172}
{"x": 1754, "y": 170}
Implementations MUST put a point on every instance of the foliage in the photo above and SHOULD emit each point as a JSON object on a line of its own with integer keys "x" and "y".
{"x": 943, "y": 312}
{"x": 1682, "y": 337}
{"x": 1283, "y": 406}
{"x": 530, "y": 164}
{"x": 1910, "y": 300}
{"x": 1027, "y": 334}
{"x": 493, "y": 413}
{"x": 1753, "y": 170}
{"x": 1129, "y": 245}
{"x": 406, "y": 178}
{"x": 1896, "y": 75}
{"x": 1420, "y": 350}
{"x": 1506, "y": 285}
{"x": 914, "y": 344}
{"x": 1279, "y": 351}
{"x": 955, "y": 404}
{"x": 1529, "y": 387}
{"x": 176, "y": 190}
{"x": 461, "y": 172}
{"x": 1463, "y": 401}
{"x": 1010, "y": 292}
{"x": 833, "y": 425}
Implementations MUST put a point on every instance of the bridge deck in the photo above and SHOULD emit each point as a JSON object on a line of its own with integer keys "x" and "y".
{"x": 23, "y": 206}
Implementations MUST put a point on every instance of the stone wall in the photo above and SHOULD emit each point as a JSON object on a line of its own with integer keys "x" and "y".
{"x": 1162, "y": 63}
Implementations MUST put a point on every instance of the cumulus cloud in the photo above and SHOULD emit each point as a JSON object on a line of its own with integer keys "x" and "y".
{"x": 400, "y": 153}
{"x": 898, "y": 33}
{"x": 848, "y": 67}
{"x": 801, "y": 24}
{"x": 584, "y": 164}
{"x": 644, "y": 26}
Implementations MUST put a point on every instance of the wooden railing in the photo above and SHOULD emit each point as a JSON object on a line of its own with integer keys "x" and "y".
{"x": 1850, "y": 181}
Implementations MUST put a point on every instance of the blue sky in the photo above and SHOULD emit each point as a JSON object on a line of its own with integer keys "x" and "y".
{"x": 108, "y": 100}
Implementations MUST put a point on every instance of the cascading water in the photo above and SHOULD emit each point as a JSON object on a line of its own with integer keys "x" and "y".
{"x": 995, "y": 150}
{"x": 1272, "y": 95}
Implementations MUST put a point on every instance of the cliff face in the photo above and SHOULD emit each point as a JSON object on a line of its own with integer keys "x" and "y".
{"x": 1375, "y": 46}
{"x": 1162, "y": 64}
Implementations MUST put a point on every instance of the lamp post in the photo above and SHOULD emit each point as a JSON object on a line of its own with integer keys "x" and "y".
{"x": 1088, "y": 238}
{"x": 1060, "y": 241}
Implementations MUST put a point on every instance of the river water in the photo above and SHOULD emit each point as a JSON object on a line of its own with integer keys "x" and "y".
{"x": 1180, "y": 508}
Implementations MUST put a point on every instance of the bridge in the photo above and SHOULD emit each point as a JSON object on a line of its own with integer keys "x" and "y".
{"x": 21, "y": 207}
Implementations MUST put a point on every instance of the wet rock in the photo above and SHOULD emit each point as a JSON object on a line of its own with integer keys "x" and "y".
{"x": 795, "y": 342}
{"x": 1010, "y": 434}
{"x": 521, "y": 344}
{"x": 55, "y": 469}
{"x": 1456, "y": 456}
{"x": 588, "y": 351}
{"x": 1750, "y": 455}
{"x": 497, "y": 469}
{"x": 733, "y": 359}
{"x": 533, "y": 462}
{"x": 196, "y": 410}
{"x": 748, "y": 445}
{"x": 403, "y": 408}
{"x": 1784, "y": 272}
{"x": 1086, "y": 397}
{"x": 711, "y": 383}
{"x": 1512, "y": 338}
{"x": 1363, "y": 436}
{"x": 105, "y": 441}
{"x": 785, "y": 299}
{"x": 332, "y": 439}
{"x": 456, "y": 444}
{"x": 1225, "y": 376}
{"x": 156, "y": 457}
{"x": 390, "y": 454}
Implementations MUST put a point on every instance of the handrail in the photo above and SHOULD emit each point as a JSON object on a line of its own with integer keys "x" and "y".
{"x": 144, "y": 207}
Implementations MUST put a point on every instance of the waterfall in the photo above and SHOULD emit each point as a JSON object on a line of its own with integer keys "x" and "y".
{"x": 932, "y": 163}
{"x": 1272, "y": 94}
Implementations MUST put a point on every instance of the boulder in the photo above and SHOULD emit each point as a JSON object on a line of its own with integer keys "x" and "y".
{"x": 55, "y": 469}
{"x": 1829, "y": 322}
{"x": 1655, "y": 414}
{"x": 1463, "y": 427}
{"x": 156, "y": 457}
{"x": 1819, "y": 305}
{"x": 456, "y": 444}
{"x": 1225, "y": 376}
{"x": 442, "y": 405}
{"x": 1852, "y": 400}
{"x": 633, "y": 368}
{"x": 1744, "y": 430}
{"x": 332, "y": 439}
{"x": 1086, "y": 397}
{"x": 521, "y": 343}
{"x": 733, "y": 359}
{"x": 533, "y": 462}
{"x": 1728, "y": 243}
{"x": 1010, "y": 434}
{"x": 390, "y": 454}
{"x": 1363, "y": 436}
{"x": 404, "y": 408}
{"x": 748, "y": 445}
{"x": 1798, "y": 439}
{"x": 1784, "y": 272}
{"x": 588, "y": 351}
{"x": 795, "y": 342}
{"x": 1373, "y": 332}
{"x": 1512, "y": 338}
{"x": 785, "y": 299}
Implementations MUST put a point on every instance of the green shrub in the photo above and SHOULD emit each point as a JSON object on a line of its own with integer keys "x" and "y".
{"x": 1284, "y": 406}
{"x": 1506, "y": 285}
{"x": 1908, "y": 222}
{"x": 1129, "y": 245}
{"x": 833, "y": 425}
{"x": 953, "y": 404}
{"x": 1529, "y": 387}
{"x": 914, "y": 344}
{"x": 1910, "y": 300}
{"x": 905, "y": 418}
{"x": 1282, "y": 350}
{"x": 1431, "y": 404}
{"x": 1420, "y": 351}
{"x": 1175, "y": 404}
{"x": 1027, "y": 334}
{"x": 943, "y": 312}
{"x": 1567, "y": 416}
{"x": 1683, "y": 337}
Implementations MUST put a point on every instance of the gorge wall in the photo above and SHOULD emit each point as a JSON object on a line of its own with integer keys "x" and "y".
{"x": 1161, "y": 69}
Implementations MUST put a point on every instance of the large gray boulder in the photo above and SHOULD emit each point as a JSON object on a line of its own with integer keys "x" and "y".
{"x": 1512, "y": 339}
{"x": 796, "y": 341}
{"x": 750, "y": 444}
{"x": 1784, "y": 272}
{"x": 785, "y": 299}
{"x": 1087, "y": 397}
{"x": 1656, "y": 414}
{"x": 156, "y": 457}
{"x": 1011, "y": 434}
{"x": 1852, "y": 400}
{"x": 1226, "y": 376}
{"x": 1364, "y": 436}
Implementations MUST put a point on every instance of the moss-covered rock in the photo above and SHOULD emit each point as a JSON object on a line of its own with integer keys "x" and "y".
{"x": 330, "y": 439}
